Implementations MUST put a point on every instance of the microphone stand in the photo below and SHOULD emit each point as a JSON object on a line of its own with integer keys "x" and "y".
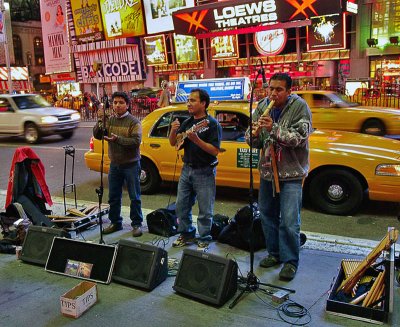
{"x": 252, "y": 281}
{"x": 100, "y": 190}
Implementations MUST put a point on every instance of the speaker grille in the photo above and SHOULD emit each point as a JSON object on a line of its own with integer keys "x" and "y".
{"x": 38, "y": 242}
{"x": 207, "y": 277}
{"x": 134, "y": 264}
{"x": 140, "y": 264}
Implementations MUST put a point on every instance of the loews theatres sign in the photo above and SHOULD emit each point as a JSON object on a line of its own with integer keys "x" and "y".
{"x": 246, "y": 13}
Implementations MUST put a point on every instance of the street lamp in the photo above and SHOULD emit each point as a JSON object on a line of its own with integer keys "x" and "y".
{"x": 5, "y": 41}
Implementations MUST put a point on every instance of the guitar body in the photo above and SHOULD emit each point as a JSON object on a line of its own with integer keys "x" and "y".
{"x": 200, "y": 127}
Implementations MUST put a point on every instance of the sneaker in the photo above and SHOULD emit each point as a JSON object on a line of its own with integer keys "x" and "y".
{"x": 288, "y": 272}
{"x": 203, "y": 246}
{"x": 182, "y": 241}
{"x": 269, "y": 261}
{"x": 137, "y": 231}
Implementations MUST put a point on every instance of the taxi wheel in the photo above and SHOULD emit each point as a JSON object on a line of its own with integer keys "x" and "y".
{"x": 373, "y": 127}
{"x": 31, "y": 133}
{"x": 149, "y": 177}
{"x": 336, "y": 192}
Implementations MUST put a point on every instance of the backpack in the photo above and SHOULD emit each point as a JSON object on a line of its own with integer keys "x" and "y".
{"x": 163, "y": 222}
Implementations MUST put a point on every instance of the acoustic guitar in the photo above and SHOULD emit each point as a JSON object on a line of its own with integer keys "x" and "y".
{"x": 200, "y": 127}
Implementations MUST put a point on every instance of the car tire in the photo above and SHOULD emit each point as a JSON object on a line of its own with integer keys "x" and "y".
{"x": 373, "y": 127}
{"x": 31, "y": 133}
{"x": 336, "y": 192}
{"x": 67, "y": 135}
{"x": 149, "y": 177}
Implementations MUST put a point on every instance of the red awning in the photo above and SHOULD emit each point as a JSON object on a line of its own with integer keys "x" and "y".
{"x": 17, "y": 86}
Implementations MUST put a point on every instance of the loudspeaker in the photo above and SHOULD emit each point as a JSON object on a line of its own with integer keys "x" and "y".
{"x": 141, "y": 265}
{"x": 206, "y": 277}
{"x": 37, "y": 243}
{"x": 90, "y": 261}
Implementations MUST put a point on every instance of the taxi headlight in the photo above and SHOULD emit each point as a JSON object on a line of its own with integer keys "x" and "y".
{"x": 76, "y": 116}
{"x": 387, "y": 170}
{"x": 49, "y": 119}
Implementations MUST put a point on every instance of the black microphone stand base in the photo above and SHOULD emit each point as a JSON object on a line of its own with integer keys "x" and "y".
{"x": 252, "y": 285}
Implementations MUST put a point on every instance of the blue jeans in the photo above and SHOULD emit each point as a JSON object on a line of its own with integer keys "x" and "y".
{"x": 280, "y": 219}
{"x": 117, "y": 175}
{"x": 196, "y": 183}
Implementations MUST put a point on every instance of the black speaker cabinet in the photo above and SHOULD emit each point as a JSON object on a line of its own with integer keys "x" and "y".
{"x": 90, "y": 261}
{"x": 141, "y": 265}
{"x": 206, "y": 277}
{"x": 38, "y": 242}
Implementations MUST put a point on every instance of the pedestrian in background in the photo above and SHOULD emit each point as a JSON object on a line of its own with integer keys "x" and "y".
{"x": 165, "y": 97}
{"x": 124, "y": 134}
{"x": 284, "y": 132}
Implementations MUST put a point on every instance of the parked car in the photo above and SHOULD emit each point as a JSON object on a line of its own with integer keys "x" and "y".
{"x": 344, "y": 166}
{"x": 32, "y": 116}
{"x": 332, "y": 110}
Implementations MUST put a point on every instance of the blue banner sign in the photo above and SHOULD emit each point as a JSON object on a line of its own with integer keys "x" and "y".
{"x": 219, "y": 89}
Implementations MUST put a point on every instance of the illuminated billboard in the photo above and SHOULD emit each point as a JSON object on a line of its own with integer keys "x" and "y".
{"x": 186, "y": 48}
{"x": 271, "y": 42}
{"x": 122, "y": 19}
{"x": 155, "y": 50}
{"x": 159, "y": 14}
{"x": 87, "y": 20}
{"x": 326, "y": 33}
{"x": 224, "y": 47}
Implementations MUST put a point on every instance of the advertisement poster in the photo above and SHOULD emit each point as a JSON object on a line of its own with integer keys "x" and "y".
{"x": 122, "y": 19}
{"x": 155, "y": 50}
{"x": 120, "y": 64}
{"x": 186, "y": 48}
{"x": 87, "y": 20}
{"x": 224, "y": 47}
{"x": 159, "y": 14}
{"x": 55, "y": 37}
{"x": 219, "y": 89}
{"x": 326, "y": 33}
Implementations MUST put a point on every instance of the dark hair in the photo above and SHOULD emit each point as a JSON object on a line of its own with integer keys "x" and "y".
{"x": 283, "y": 77}
{"x": 121, "y": 95}
{"x": 203, "y": 95}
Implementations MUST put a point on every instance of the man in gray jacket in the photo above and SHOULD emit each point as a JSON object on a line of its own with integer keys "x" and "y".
{"x": 282, "y": 135}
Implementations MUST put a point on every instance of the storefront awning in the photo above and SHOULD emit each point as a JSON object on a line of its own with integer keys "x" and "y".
{"x": 17, "y": 86}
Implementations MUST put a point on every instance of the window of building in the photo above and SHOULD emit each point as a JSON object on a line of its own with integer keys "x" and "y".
{"x": 39, "y": 51}
{"x": 18, "y": 50}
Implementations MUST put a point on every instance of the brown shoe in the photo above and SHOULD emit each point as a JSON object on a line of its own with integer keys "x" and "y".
{"x": 137, "y": 231}
{"x": 111, "y": 229}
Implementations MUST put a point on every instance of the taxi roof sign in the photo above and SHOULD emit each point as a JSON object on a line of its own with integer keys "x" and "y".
{"x": 219, "y": 89}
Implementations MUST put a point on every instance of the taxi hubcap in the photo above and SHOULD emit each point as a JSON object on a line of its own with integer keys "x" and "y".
{"x": 335, "y": 192}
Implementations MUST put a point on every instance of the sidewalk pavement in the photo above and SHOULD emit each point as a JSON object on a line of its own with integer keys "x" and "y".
{"x": 29, "y": 295}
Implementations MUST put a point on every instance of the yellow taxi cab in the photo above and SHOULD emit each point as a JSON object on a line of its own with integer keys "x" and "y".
{"x": 332, "y": 110}
{"x": 344, "y": 166}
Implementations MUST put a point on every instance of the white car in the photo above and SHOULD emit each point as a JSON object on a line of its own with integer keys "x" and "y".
{"x": 32, "y": 116}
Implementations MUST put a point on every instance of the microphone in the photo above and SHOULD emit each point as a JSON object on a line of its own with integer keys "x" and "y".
{"x": 262, "y": 72}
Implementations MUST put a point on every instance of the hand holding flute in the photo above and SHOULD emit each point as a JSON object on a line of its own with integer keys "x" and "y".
{"x": 265, "y": 121}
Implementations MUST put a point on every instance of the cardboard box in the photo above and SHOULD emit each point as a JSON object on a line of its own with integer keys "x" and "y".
{"x": 79, "y": 299}
{"x": 358, "y": 312}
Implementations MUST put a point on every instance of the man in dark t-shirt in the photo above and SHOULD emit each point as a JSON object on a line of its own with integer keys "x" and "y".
{"x": 200, "y": 137}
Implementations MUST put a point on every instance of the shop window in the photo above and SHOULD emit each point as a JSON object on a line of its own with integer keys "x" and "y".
{"x": 233, "y": 125}
{"x": 18, "y": 50}
{"x": 38, "y": 50}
